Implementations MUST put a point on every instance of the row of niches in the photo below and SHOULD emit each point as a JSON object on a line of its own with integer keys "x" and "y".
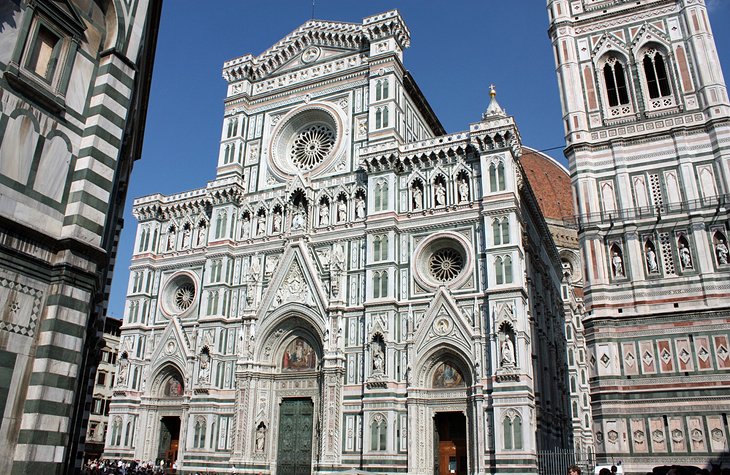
{"x": 440, "y": 191}
{"x": 667, "y": 255}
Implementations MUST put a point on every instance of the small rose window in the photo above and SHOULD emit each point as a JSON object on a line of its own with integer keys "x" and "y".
{"x": 445, "y": 264}
{"x": 179, "y": 294}
{"x": 312, "y": 145}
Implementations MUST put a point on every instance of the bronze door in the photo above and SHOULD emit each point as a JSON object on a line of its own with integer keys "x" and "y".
{"x": 295, "y": 437}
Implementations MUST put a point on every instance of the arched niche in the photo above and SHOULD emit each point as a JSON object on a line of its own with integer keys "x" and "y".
{"x": 169, "y": 382}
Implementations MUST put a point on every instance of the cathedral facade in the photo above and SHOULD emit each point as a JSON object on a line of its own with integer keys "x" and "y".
{"x": 356, "y": 289}
{"x": 647, "y": 121}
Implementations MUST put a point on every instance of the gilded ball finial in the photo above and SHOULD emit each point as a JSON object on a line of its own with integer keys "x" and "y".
{"x": 492, "y": 90}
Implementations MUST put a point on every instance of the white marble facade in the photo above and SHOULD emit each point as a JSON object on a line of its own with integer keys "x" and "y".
{"x": 354, "y": 283}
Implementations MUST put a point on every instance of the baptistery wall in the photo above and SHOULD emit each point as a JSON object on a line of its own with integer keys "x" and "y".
{"x": 355, "y": 289}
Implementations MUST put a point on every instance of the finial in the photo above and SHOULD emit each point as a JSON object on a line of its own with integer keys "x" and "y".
{"x": 494, "y": 108}
{"x": 492, "y": 90}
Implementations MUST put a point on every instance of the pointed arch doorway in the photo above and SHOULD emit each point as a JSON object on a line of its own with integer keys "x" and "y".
{"x": 449, "y": 435}
{"x": 294, "y": 455}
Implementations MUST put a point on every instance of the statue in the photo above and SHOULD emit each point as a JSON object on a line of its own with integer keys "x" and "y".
{"x": 722, "y": 252}
{"x": 508, "y": 352}
{"x": 463, "y": 191}
{"x": 122, "y": 371}
{"x": 186, "y": 237}
{"x": 204, "y": 372}
{"x": 359, "y": 208}
{"x": 417, "y": 198}
{"x": 618, "y": 265}
{"x": 341, "y": 211}
{"x": 261, "y": 225}
{"x": 276, "y": 225}
{"x": 378, "y": 358}
{"x": 201, "y": 235}
{"x": 246, "y": 227}
{"x": 651, "y": 263}
{"x": 685, "y": 256}
{"x": 299, "y": 218}
{"x": 440, "y": 194}
{"x": 338, "y": 257}
{"x": 324, "y": 214}
{"x": 261, "y": 437}
{"x": 171, "y": 239}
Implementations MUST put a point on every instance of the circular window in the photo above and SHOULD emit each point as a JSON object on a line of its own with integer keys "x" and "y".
{"x": 445, "y": 264}
{"x": 179, "y": 294}
{"x": 184, "y": 296}
{"x": 307, "y": 140}
{"x": 442, "y": 259}
{"x": 311, "y": 146}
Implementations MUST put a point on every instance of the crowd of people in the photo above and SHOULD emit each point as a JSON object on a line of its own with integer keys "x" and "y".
{"x": 127, "y": 467}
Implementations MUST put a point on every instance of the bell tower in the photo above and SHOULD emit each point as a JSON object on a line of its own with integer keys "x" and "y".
{"x": 647, "y": 127}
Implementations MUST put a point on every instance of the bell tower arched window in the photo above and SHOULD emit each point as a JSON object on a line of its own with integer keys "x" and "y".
{"x": 655, "y": 70}
{"x": 614, "y": 77}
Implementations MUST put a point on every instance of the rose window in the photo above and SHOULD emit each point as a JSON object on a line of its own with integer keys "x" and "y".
{"x": 445, "y": 264}
{"x": 184, "y": 296}
{"x": 312, "y": 145}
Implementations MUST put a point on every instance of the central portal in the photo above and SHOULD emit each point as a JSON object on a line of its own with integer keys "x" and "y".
{"x": 449, "y": 443}
{"x": 169, "y": 439}
{"x": 295, "y": 437}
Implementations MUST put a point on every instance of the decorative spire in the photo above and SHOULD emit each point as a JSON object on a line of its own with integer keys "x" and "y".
{"x": 494, "y": 109}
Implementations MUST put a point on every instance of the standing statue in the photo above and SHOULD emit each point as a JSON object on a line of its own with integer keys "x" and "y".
{"x": 722, "y": 252}
{"x": 260, "y": 437}
{"x": 378, "y": 358}
{"x": 246, "y": 228}
{"x": 122, "y": 371}
{"x": 276, "y": 224}
{"x": 685, "y": 256}
{"x": 261, "y": 225}
{"x": 359, "y": 208}
{"x": 341, "y": 211}
{"x": 651, "y": 263}
{"x": 324, "y": 214}
{"x": 440, "y": 194}
{"x": 618, "y": 265}
{"x": 186, "y": 237}
{"x": 417, "y": 198}
{"x": 463, "y": 191}
{"x": 171, "y": 237}
{"x": 204, "y": 372}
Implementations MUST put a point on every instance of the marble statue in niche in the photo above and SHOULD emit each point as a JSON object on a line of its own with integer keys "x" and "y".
{"x": 324, "y": 214}
{"x": 721, "y": 251}
{"x": 359, "y": 208}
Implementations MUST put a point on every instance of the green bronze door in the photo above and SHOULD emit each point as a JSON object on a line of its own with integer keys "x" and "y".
{"x": 295, "y": 437}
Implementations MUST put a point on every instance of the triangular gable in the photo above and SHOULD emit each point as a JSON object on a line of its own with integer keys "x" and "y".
{"x": 174, "y": 346}
{"x": 295, "y": 281}
{"x": 649, "y": 33}
{"x": 311, "y": 56}
{"x": 608, "y": 43}
{"x": 443, "y": 322}
{"x": 329, "y": 35}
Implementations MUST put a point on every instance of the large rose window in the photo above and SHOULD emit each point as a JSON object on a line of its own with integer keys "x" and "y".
{"x": 307, "y": 140}
{"x": 179, "y": 294}
{"x": 442, "y": 259}
{"x": 311, "y": 146}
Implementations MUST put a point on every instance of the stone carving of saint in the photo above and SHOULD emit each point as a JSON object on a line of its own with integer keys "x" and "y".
{"x": 463, "y": 191}
{"x": 508, "y": 352}
{"x": 171, "y": 235}
{"x": 122, "y": 371}
{"x": 722, "y": 252}
{"x": 359, "y": 208}
{"x": 186, "y": 237}
{"x": 261, "y": 225}
{"x": 417, "y": 198}
{"x": 338, "y": 257}
{"x": 440, "y": 194}
{"x": 685, "y": 256}
{"x": 276, "y": 225}
{"x": 324, "y": 214}
{"x": 378, "y": 358}
{"x": 299, "y": 218}
{"x": 246, "y": 228}
{"x": 204, "y": 372}
{"x": 260, "y": 438}
{"x": 341, "y": 211}
{"x": 618, "y": 265}
{"x": 651, "y": 263}
{"x": 201, "y": 235}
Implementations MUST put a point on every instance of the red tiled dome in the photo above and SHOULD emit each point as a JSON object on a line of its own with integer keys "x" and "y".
{"x": 550, "y": 182}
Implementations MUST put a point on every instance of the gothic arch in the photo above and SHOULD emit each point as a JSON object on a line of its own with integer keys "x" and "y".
{"x": 443, "y": 352}
{"x": 286, "y": 323}
{"x": 164, "y": 374}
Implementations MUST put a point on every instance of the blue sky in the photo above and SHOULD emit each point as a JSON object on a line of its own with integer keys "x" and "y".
{"x": 457, "y": 49}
